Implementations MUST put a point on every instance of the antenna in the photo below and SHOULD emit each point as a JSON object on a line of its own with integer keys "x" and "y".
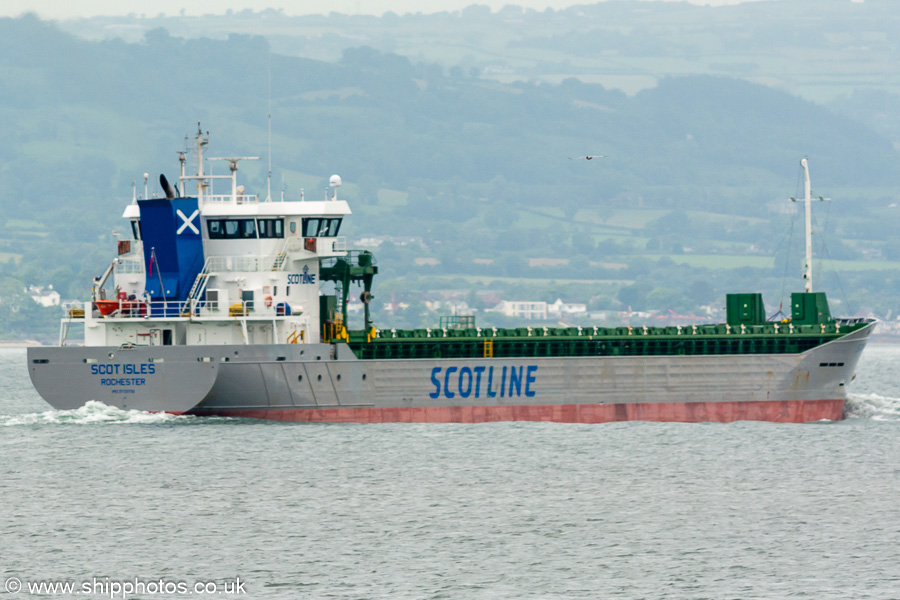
{"x": 146, "y": 178}
{"x": 233, "y": 165}
{"x": 200, "y": 177}
{"x": 182, "y": 159}
{"x": 269, "y": 178}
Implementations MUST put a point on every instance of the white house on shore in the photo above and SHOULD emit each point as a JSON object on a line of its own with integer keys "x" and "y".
{"x": 529, "y": 310}
{"x": 563, "y": 309}
{"x": 44, "y": 297}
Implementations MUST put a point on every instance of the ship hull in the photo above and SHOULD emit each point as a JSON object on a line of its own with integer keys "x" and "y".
{"x": 784, "y": 411}
{"x": 327, "y": 383}
{"x": 172, "y": 379}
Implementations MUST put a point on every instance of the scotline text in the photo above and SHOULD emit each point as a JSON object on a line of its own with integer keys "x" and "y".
{"x": 509, "y": 381}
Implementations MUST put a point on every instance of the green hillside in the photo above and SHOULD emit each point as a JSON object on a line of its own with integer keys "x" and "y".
{"x": 691, "y": 202}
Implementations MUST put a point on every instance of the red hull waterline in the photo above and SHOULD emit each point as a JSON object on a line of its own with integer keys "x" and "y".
{"x": 786, "y": 411}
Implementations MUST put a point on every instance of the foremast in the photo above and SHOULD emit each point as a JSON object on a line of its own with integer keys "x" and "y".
{"x": 807, "y": 205}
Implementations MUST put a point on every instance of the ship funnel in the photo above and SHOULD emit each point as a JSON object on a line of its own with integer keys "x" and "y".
{"x": 164, "y": 183}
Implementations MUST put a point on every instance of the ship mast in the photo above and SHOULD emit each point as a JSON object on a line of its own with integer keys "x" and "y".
{"x": 807, "y": 199}
{"x": 201, "y": 142}
{"x": 808, "y": 209}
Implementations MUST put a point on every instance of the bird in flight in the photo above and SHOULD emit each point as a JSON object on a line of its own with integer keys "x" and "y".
{"x": 589, "y": 157}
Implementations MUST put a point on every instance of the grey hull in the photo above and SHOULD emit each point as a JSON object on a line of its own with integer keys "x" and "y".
{"x": 324, "y": 382}
{"x": 155, "y": 379}
{"x": 346, "y": 382}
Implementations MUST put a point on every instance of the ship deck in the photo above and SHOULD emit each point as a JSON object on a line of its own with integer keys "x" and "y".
{"x": 769, "y": 338}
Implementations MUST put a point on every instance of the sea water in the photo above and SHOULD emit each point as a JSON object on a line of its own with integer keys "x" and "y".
{"x": 130, "y": 505}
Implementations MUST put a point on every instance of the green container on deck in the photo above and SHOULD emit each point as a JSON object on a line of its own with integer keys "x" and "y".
{"x": 744, "y": 309}
{"x": 810, "y": 308}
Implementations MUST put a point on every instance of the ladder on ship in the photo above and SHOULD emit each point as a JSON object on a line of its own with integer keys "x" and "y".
{"x": 280, "y": 258}
{"x": 199, "y": 284}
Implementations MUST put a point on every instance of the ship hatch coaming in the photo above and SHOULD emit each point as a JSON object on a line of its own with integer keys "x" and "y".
{"x": 772, "y": 338}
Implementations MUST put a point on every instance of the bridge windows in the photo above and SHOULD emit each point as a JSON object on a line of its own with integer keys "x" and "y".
{"x": 321, "y": 227}
{"x": 225, "y": 229}
{"x": 271, "y": 228}
{"x": 268, "y": 228}
{"x": 238, "y": 229}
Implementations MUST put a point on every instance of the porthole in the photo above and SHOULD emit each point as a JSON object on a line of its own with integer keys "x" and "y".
{"x": 364, "y": 376}
{"x": 339, "y": 377}
{"x": 299, "y": 377}
{"x": 319, "y": 377}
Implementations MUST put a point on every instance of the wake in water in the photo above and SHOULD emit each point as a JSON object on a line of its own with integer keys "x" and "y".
{"x": 91, "y": 413}
{"x": 872, "y": 406}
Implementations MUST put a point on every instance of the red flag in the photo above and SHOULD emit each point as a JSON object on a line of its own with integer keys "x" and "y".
{"x": 152, "y": 256}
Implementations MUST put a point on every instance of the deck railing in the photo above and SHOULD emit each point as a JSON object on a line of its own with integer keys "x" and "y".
{"x": 256, "y": 264}
{"x": 249, "y": 264}
{"x": 228, "y": 198}
{"x": 139, "y": 309}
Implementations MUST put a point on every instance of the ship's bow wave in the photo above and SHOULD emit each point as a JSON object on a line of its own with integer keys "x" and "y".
{"x": 872, "y": 406}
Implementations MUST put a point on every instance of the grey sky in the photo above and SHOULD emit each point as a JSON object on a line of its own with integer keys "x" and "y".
{"x": 67, "y": 9}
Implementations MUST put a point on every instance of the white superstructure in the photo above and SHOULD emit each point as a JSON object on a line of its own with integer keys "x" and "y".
{"x": 252, "y": 267}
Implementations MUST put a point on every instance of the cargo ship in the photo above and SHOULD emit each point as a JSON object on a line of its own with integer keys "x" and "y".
{"x": 232, "y": 305}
